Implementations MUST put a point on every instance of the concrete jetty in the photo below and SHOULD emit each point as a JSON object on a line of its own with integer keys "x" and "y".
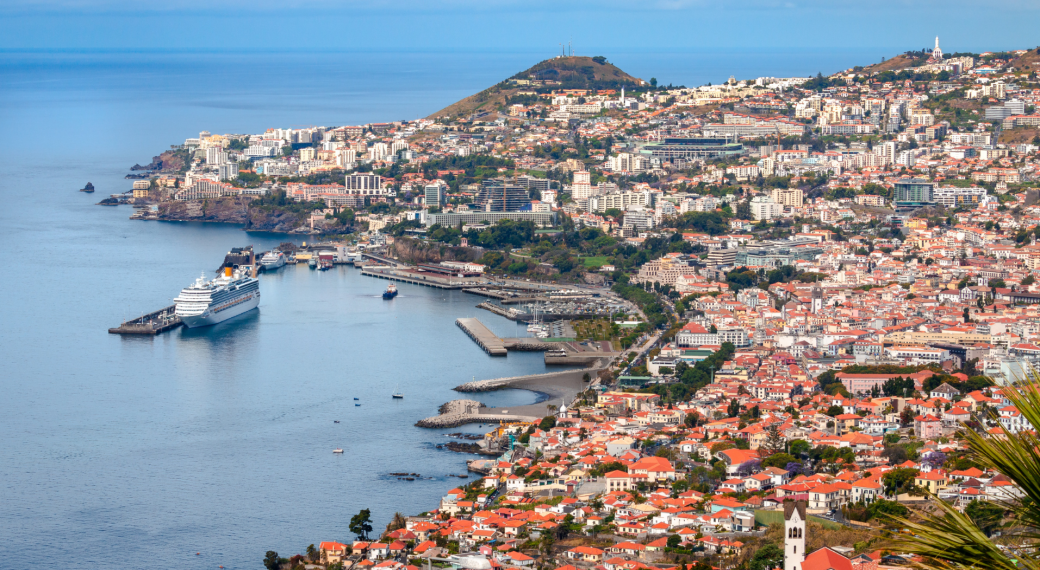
{"x": 409, "y": 276}
{"x": 482, "y": 336}
{"x": 153, "y": 323}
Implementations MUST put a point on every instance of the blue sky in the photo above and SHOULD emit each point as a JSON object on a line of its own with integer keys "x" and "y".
{"x": 450, "y": 25}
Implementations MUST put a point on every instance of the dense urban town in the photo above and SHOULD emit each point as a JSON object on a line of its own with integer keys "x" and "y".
{"x": 831, "y": 290}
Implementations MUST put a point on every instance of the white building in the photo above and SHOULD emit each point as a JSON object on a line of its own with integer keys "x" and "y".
{"x": 764, "y": 208}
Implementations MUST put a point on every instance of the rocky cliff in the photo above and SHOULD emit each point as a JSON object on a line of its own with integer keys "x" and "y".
{"x": 415, "y": 251}
{"x": 169, "y": 161}
{"x": 237, "y": 210}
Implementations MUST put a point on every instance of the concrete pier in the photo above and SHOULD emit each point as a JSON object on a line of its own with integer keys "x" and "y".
{"x": 416, "y": 277}
{"x": 152, "y": 323}
{"x": 482, "y": 336}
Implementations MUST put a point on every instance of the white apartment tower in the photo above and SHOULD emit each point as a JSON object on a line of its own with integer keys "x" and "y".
{"x": 794, "y": 537}
{"x": 887, "y": 152}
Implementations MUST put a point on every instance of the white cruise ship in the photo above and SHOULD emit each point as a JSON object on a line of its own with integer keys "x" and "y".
{"x": 272, "y": 260}
{"x": 207, "y": 303}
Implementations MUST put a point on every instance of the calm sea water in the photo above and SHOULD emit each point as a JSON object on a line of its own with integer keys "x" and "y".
{"x": 140, "y": 452}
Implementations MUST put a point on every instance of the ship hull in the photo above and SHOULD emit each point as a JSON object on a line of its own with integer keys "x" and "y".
{"x": 271, "y": 266}
{"x": 389, "y": 296}
{"x": 210, "y": 318}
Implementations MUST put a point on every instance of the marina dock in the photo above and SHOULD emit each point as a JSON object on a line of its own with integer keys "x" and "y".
{"x": 482, "y": 336}
{"x": 153, "y": 323}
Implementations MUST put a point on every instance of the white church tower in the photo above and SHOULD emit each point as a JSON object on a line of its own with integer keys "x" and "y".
{"x": 794, "y": 537}
{"x": 817, "y": 299}
{"x": 937, "y": 53}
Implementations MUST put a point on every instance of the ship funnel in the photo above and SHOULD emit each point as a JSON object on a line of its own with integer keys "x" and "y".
{"x": 227, "y": 271}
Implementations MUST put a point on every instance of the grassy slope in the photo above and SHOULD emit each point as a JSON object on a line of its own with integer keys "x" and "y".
{"x": 1019, "y": 135}
{"x": 563, "y": 69}
{"x": 891, "y": 64}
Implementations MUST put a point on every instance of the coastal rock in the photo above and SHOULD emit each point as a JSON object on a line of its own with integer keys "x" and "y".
{"x": 88, "y": 188}
{"x": 239, "y": 210}
{"x": 414, "y": 251}
{"x": 169, "y": 161}
{"x": 467, "y": 448}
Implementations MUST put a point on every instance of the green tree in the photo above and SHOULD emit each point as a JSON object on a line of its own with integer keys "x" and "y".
{"x": 271, "y": 560}
{"x": 799, "y": 447}
{"x": 985, "y": 515}
{"x": 673, "y": 541}
{"x": 773, "y": 444}
{"x": 899, "y": 480}
{"x": 743, "y": 210}
{"x": 881, "y": 507}
{"x": 769, "y": 556}
{"x": 547, "y": 423}
{"x": 361, "y": 524}
{"x": 779, "y": 460}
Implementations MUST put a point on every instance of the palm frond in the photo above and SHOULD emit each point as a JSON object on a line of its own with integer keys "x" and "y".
{"x": 1016, "y": 456}
{"x": 951, "y": 541}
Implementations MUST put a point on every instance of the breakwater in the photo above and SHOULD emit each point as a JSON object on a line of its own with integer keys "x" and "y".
{"x": 461, "y": 412}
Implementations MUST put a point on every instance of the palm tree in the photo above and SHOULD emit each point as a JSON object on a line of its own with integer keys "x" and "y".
{"x": 951, "y": 540}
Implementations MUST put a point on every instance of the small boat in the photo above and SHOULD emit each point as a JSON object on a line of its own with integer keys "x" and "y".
{"x": 355, "y": 399}
{"x": 337, "y": 450}
{"x": 335, "y": 421}
{"x": 357, "y": 404}
{"x": 391, "y": 292}
{"x": 397, "y": 395}
{"x": 313, "y": 263}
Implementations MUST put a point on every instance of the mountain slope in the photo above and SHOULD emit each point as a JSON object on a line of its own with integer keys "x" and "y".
{"x": 561, "y": 72}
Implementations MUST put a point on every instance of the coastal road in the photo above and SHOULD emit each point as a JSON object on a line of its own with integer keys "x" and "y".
{"x": 642, "y": 350}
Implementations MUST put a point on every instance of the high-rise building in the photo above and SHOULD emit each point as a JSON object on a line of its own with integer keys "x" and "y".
{"x": 365, "y": 184}
{"x": 227, "y": 171}
{"x": 501, "y": 196}
{"x": 909, "y": 191}
{"x": 790, "y": 197}
{"x": 435, "y": 194}
{"x": 378, "y": 151}
{"x": 906, "y": 158}
{"x": 764, "y": 208}
{"x": 346, "y": 157}
{"x": 887, "y": 152}
{"x": 215, "y": 156}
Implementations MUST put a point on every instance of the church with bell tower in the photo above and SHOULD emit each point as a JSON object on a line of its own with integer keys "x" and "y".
{"x": 794, "y": 534}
